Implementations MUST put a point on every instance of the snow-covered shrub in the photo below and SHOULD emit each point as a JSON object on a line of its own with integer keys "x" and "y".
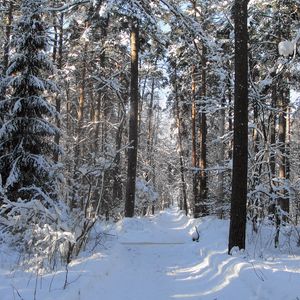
{"x": 41, "y": 231}
{"x": 145, "y": 195}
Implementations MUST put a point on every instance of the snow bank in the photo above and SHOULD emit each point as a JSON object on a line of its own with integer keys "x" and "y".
{"x": 155, "y": 258}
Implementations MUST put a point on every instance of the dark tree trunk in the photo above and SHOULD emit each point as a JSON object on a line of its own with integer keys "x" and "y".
{"x": 273, "y": 131}
{"x": 237, "y": 230}
{"x": 230, "y": 123}
{"x": 201, "y": 199}
{"x": 133, "y": 121}
{"x": 183, "y": 202}
{"x": 282, "y": 139}
{"x": 288, "y": 143}
{"x": 59, "y": 66}
{"x": 202, "y": 139}
{"x": 117, "y": 185}
{"x": 194, "y": 140}
{"x": 150, "y": 130}
{"x": 221, "y": 157}
{"x": 79, "y": 129}
{"x": 195, "y": 162}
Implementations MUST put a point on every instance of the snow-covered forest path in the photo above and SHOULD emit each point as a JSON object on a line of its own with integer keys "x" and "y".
{"x": 154, "y": 258}
{"x": 147, "y": 262}
{"x": 147, "y": 258}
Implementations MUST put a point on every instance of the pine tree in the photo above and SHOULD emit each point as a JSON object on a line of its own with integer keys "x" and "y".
{"x": 27, "y": 135}
{"x": 133, "y": 130}
{"x": 237, "y": 231}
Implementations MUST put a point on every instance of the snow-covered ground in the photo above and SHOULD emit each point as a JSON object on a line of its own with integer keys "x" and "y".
{"x": 154, "y": 258}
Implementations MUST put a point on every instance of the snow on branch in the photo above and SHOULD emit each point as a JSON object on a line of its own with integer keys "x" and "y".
{"x": 68, "y": 6}
{"x": 288, "y": 48}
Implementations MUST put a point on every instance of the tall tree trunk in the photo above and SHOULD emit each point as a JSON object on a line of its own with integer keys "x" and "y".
{"x": 133, "y": 120}
{"x": 183, "y": 202}
{"x": 194, "y": 142}
{"x": 282, "y": 139}
{"x": 150, "y": 129}
{"x": 117, "y": 185}
{"x": 255, "y": 176}
{"x": 81, "y": 103}
{"x": 230, "y": 123}
{"x": 288, "y": 143}
{"x": 201, "y": 207}
{"x": 154, "y": 142}
{"x": 97, "y": 114}
{"x": 237, "y": 230}
{"x": 143, "y": 88}
{"x": 221, "y": 157}
{"x": 273, "y": 132}
{"x": 59, "y": 67}
{"x": 79, "y": 129}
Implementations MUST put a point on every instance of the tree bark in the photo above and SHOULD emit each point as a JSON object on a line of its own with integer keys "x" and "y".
{"x": 201, "y": 204}
{"x": 282, "y": 139}
{"x": 183, "y": 202}
{"x": 194, "y": 141}
{"x": 59, "y": 66}
{"x": 273, "y": 132}
{"x": 150, "y": 129}
{"x": 237, "y": 230}
{"x": 117, "y": 185}
{"x": 221, "y": 157}
{"x": 133, "y": 121}
{"x": 81, "y": 102}
{"x": 79, "y": 129}
{"x": 230, "y": 123}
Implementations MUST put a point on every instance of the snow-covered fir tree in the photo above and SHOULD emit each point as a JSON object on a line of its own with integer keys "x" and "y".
{"x": 29, "y": 192}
